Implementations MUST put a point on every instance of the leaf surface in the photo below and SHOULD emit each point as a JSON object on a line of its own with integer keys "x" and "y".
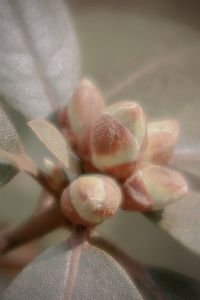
{"x": 38, "y": 55}
{"x": 55, "y": 143}
{"x": 182, "y": 221}
{"x": 9, "y": 144}
{"x": 187, "y": 154}
{"x": 98, "y": 277}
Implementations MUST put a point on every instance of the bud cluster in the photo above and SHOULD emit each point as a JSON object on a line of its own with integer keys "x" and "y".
{"x": 124, "y": 155}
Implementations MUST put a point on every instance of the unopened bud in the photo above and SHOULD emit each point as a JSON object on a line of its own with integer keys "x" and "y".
{"x": 90, "y": 199}
{"x": 162, "y": 138}
{"x": 56, "y": 177}
{"x": 152, "y": 188}
{"x": 86, "y": 104}
{"x": 118, "y": 139}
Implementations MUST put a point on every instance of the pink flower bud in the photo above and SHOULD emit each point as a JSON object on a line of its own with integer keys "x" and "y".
{"x": 55, "y": 176}
{"x": 86, "y": 104}
{"x": 90, "y": 199}
{"x": 152, "y": 188}
{"x": 118, "y": 139}
{"x": 162, "y": 136}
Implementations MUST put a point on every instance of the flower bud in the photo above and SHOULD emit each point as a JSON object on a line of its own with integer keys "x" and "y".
{"x": 86, "y": 104}
{"x": 162, "y": 136}
{"x": 90, "y": 199}
{"x": 152, "y": 188}
{"x": 55, "y": 176}
{"x": 118, "y": 139}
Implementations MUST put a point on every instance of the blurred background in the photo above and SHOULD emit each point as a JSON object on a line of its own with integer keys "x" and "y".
{"x": 143, "y": 50}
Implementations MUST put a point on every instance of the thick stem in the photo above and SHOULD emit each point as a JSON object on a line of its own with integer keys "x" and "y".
{"x": 43, "y": 222}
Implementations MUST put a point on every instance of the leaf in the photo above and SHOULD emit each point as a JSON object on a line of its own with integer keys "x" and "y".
{"x": 98, "y": 277}
{"x": 43, "y": 279}
{"x": 187, "y": 154}
{"x": 21, "y": 162}
{"x": 39, "y": 62}
{"x": 154, "y": 283}
{"x": 182, "y": 221}
{"x": 9, "y": 143}
{"x": 55, "y": 143}
{"x": 174, "y": 285}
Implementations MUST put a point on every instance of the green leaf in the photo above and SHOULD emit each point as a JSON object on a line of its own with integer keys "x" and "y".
{"x": 9, "y": 144}
{"x": 39, "y": 60}
{"x": 182, "y": 221}
{"x": 56, "y": 144}
{"x": 97, "y": 276}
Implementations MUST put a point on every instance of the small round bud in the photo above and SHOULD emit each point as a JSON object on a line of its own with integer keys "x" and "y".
{"x": 152, "y": 188}
{"x": 90, "y": 199}
{"x": 162, "y": 136}
{"x": 118, "y": 139}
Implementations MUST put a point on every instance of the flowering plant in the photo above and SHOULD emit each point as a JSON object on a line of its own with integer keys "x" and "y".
{"x": 106, "y": 158}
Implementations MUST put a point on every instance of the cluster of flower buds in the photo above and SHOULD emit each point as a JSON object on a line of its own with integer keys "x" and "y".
{"x": 124, "y": 155}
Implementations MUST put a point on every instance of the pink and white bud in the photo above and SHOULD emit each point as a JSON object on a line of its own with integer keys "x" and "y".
{"x": 118, "y": 139}
{"x": 152, "y": 188}
{"x": 86, "y": 104}
{"x": 162, "y": 136}
{"x": 55, "y": 176}
{"x": 90, "y": 199}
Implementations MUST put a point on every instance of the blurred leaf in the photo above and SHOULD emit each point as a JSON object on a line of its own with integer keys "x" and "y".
{"x": 182, "y": 220}
{"x": 98, "y": 277}
{"x": 9, "y": 143}
{"x": 55, "y": 143}
{"x": 158, "y": 54}
{"x": 38, "y": 55}
{"x": 175, "y": 286}
{"x": 187, "y": 154}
